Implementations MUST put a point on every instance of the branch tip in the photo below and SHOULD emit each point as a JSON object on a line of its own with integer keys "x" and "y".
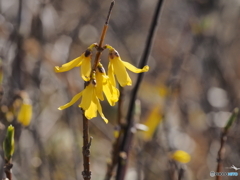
{"x": 109, "y": 12}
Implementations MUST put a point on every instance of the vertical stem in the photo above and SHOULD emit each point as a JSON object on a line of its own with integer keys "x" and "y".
{"x": 220, "y": 154}
{"x": 120, "y": 105}
{"x": 128, "y": 135}
{"x": 7, "y": 169}
{"x": 86, "y": 150}
{"x": 104, "y": 31}
{"x": 8, "y": 175}
{"x": 181, "y": 173}
{"x": 116, "y": 144}
{"x": 86, "y": 143}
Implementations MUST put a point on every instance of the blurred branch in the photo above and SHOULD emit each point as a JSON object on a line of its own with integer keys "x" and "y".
{"x": 125, "y": 145}
{"x": 118, "y": 137}
{"x": 181, "y": 173}
{"x": 224, "y": 139}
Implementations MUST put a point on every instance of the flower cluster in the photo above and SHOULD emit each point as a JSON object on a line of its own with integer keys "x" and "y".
{"x": 98, "y": 82}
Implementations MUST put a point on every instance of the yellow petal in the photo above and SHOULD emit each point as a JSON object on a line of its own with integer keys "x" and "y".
{"x": 181, "y": 156}
{"x": 86, "y": 68}
{"x": 116, "y": 133}
{"x": 87, "y": 96}
{"x": 152, "y": 122}
{"x": 25, "y": 114}
{"x": 74, "y": 99}
{"x": 99, "y": 87}
{"x": 99, "y": 108}
{"x": 134, "y": 69}
{"x": 111, "y": 93}
{"x": 68, "y": 66}
{"x": 91, "y": 112}
{"x": 111, "y": 74}
{"x": 79, "y": 64}
{"x": 108, "y": 94}
{"x": 120, "y": 72}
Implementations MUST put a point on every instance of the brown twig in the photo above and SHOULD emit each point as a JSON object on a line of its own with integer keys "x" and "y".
{"x": 116, "y": 144}
{"x": 223, "y": 141}
{"x": 221, "y": 153}
{"x": 181, "y": 173}
{"x": 7, "y": 169}
{"x": 128, "y": 135}
{"x": 104, "y": 31}
{"x": 86, "y": 173}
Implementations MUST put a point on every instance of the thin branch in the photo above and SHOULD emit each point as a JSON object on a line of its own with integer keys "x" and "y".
{"x": 125, "y": 146}
{"x": 116, "y": 144}
{"x": 181, "y": 173}
{"x": 224, "y": 139}
{"x": 7, "y": 169}
{"x": 104, "y": 31}
{"x": 86, "y": 143}
{"x": 86, "y": 150}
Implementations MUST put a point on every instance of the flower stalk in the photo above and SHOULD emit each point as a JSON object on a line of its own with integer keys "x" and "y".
{"x": 97, "y": 84}
{"x": 86, "y": 173}
{"x": 104, "y": 31}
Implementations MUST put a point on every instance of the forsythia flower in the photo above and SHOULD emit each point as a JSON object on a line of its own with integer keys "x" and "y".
{"x": 84, "y": 61}
{"x": 118, "y": 67}
{"x": 90, "y": 103}
{"x": 25, "y": 114}
{"x": 104, "y": 85}
{"x": 181, "y": 156}
{"x": 98, "y": 83}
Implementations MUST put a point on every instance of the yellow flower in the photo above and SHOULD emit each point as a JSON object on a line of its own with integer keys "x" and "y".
{"x": 90, "y": 103}
{"x": 181, "y": 156}
{"x": 118, "y": 67}
{"x": 84, "y": 61}
{"x": 25, "y": 114}
{"x": 104, "y": 86}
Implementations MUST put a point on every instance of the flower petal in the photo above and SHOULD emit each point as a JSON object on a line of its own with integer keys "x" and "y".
{"x": 74, "y": 99}
{"x": 79, "y": 64}
{"x": 111, "y": 74}
{"x": 181, "y": 156}
{"x": 120, "y": 71}
{"x": 86, "y": 68}
{"x": 99, "y": 87}
{"x": 68, "y": 66}
{"x": 135, "y": 69}
{"x": 99, "y": 108}
{"x": 111, "y": 93}
{"x": 91, "y": 112}
{"x": 87, "y": 96}
{"x": 25, "y": 114}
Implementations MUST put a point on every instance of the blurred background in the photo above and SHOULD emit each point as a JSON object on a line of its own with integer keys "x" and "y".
{"x": 185, "y": 99}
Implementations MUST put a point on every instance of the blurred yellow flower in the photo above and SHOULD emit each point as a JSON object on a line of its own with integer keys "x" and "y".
{"x": 25, "y": 114}
{"x": 84, "y": 61}
{"x": 152, "y": 122}
{"x": 104, "y": 86}
{"x": 118, "y": 67}
{"x": 90, "y": 103}
{"x": 181, "y": 156}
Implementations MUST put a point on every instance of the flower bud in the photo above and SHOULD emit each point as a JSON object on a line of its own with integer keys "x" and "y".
{"x": 8, "y": 144}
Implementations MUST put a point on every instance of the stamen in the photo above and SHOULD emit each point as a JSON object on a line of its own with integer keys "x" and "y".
{"x": 87, "y": 53}
{"x": 101, "y": 69}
